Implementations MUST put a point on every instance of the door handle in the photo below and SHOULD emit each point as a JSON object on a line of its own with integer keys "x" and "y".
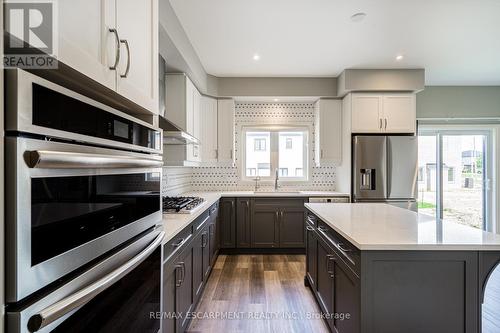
{"x": 183, "y": 272}
{"x": 309, "y": 228}
{"x": 117, "y": 53}
{"x": 127, "y": 69}
{"x": 330, "y": 258}
{"x": 85, "y": 295}
{"x": 385, "y": 123}
{"x": 380, "y": 123}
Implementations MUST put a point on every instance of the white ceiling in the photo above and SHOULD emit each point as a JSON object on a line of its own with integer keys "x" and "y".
{"x": 456, "y": 41}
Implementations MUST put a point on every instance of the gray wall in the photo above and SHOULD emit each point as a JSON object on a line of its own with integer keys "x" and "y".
{"x": 459, "y": 102}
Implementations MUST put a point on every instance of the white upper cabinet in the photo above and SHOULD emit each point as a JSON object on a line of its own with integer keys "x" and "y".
{"x": 400, "y": 113}
{"x": 182, "y": 107}
{"x": 208, "y": 129}
{"x": 114, "y": 42}
{"x": 383, "y": 113}
{"x": 87, "y": 38}
{"x": 137, "y": 25}
{"x": 225, "y": 136}
{"x": 328, "y": 131}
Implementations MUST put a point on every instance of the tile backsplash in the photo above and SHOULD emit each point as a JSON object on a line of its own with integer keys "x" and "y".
{"x": 225, "y": 177}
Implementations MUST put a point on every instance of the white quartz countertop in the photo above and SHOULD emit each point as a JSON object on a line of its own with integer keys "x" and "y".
{"x": 377, "y": 226}
{"x": 174, "y": 223}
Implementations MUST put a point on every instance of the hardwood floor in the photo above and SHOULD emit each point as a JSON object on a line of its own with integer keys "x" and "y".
{"x": 258, "y": 293}
{"x": 491, "y": 305}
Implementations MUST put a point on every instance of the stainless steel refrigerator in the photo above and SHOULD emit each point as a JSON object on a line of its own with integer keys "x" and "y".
{"x": 385, "y": 170}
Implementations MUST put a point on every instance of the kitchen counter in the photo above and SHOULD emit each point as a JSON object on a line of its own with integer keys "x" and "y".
{"x": 373, "y": 226}
{"x": 174, "y": 223}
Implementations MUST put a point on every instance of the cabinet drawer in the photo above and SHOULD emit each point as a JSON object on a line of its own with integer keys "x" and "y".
{"x": 278, "y": 202}
{"x": 178, "y": 243}
{"x": 201, "y": 220}
{"x": 311, "y": 220}
{"x": 346, "y": 251}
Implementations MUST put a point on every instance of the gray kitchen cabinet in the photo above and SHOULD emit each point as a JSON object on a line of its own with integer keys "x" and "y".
{"x": 243, "y": 220}
{"x": 200, "y": 261}
{"x": 213, "y": 233}
{"x": 311, "y": 256}
{"x": 227, "y": 229}
{"x": 291, "y": 226}
{"x": 178, "y": 291}
{"x": 265, "y": 227}
{"x": 325, "y": 280}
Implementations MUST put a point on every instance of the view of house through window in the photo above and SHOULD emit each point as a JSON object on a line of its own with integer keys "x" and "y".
{"x": 464, "y": 173}
{"x": 268, "y": 150}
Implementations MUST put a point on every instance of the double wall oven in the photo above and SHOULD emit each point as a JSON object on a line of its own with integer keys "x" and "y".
{"x": 83, "y": 212}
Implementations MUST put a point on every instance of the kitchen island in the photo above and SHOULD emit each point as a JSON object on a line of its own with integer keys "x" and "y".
{"x": 379, "y": 268}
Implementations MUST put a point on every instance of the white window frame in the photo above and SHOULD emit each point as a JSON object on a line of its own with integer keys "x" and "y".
{"x": 274, "y": 147}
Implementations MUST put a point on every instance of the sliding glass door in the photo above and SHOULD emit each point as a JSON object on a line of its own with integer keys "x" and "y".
{"x": 454, "y": 174}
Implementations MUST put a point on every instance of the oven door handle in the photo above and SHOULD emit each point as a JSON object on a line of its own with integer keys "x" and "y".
{"x": 64, "y": 306}
{"x": 48, "y": 159}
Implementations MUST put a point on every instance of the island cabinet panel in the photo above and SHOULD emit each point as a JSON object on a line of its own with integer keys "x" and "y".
{"x": 243, "y": 218}
{"x": 325, "y": 285}
{"x": 424, "y": 291}
{"x": 227, "y": 229}
{"x": 213, "y": 232}
{"x": 201, "y": 263}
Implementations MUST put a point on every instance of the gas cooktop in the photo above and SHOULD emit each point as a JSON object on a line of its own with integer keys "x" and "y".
{"x": 181, "y": 205}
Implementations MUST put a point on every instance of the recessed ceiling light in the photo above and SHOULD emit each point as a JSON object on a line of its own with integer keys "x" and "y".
{"x": 399, "y": 57}
{"x": 358, "y": 17}
{"x": 256, "y": 57}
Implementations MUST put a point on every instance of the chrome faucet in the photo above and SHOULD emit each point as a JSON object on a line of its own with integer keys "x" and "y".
{"x": 276, "y": 185}
{"x": 257, "y": 179}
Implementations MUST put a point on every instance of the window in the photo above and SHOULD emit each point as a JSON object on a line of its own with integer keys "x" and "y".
{"x": 259, "y": 144}
{"x": 282, "y": 148}
{"x": 451, "y": 174}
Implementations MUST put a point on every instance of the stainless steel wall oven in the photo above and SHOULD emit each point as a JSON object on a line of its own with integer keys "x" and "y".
{"x": 82, "y": 207}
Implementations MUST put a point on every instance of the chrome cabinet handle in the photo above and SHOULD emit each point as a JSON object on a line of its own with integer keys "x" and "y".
{"x": 385, "y": 123}
{"x": 204, "y": 240}
{"x": 321, "y": 228}
{"x": 343, "y": 248}
{"x": 330, "y": 258}
{"x": 117, "y": 53}
{"x": 309, "y": 228}
{"x": 183, "y": 272}
{"x": 85, "y": 295}
{"x": 380, "y": 123}
{"x": 178, "y": 282}
{"x": 277, "y": 216}
{"x": 179, "y": 243}
{"x": 124, "y": 41}
{"x": 49, "y": 159}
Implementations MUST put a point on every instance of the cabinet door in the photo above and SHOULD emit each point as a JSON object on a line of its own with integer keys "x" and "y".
{"x": 137, "y": 24}
{"x": 399, "y": 114}
{"x": 265, "y": 228}
{"x": 330, "y": 131}
{"x": 292, "y": 230}
{"x": 208, "y": 129}
{"x": 225, "y": 130}
{"x": 311, "y": 255}
{"x": 212, "y": 232}
{"x": 243, "y": 218}
{"x": 347, "y": 299}
{"x": 227, "y": 229}
{"x": 198, "y": 273}
{"x": 184, "y": 291}
{"x": 325, "y": 280}
{"x": 171, "y": 277}
{"x": 366, "y": 113}
{"x": 85, "y": 42}
{"x": 206, "y": 253}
